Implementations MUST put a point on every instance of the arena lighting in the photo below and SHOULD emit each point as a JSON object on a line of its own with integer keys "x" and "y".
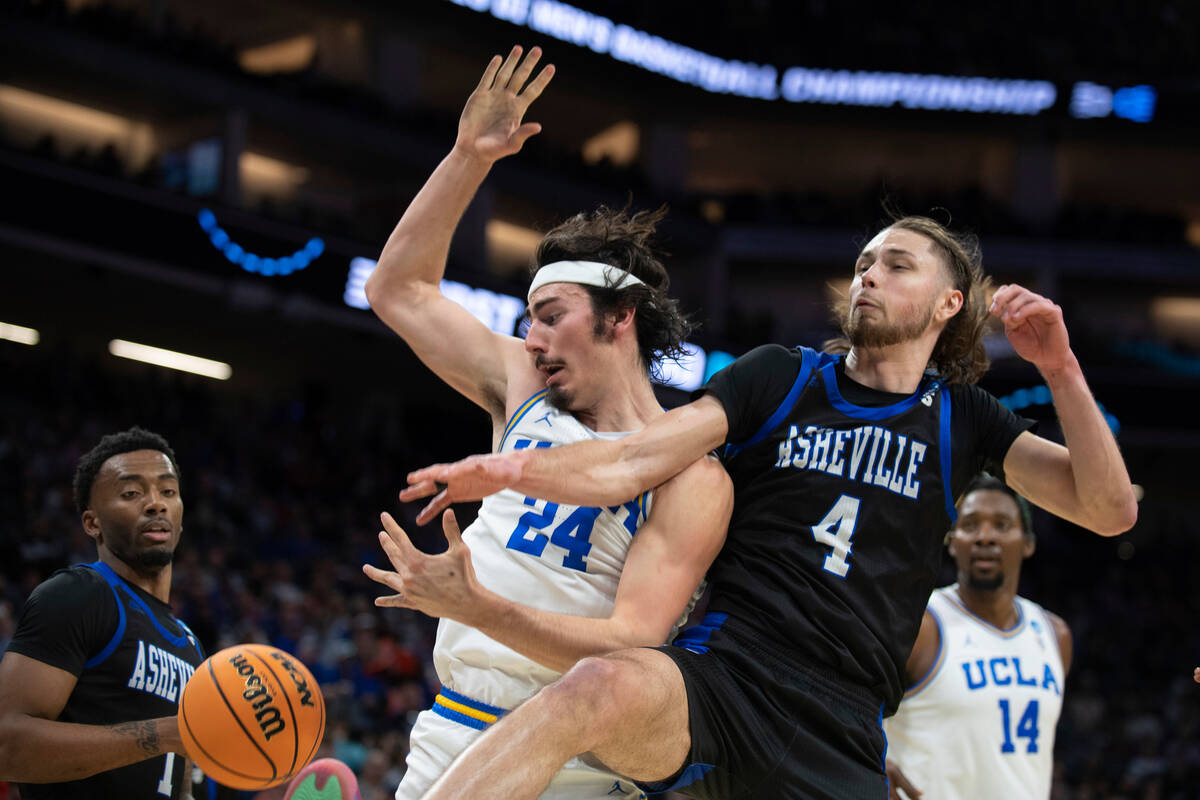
{"x": 500, "y": 312}
{"x": 254, "y": 263}
{"x": 503, "y": 313}
{"x": 1093, "y": 101}
{"x": 1040, "y": 396}
{"x": 170, "y": 359}
{"x": 798, "y": 84}
{"x": 19, "y": 334}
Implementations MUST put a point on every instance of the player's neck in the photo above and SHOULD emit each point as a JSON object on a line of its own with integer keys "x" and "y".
{"x": 157, "y": 583}
{"x": 896, "y": 368}
{"x": 997, "y": 606}
{"x": 626, "y": 404}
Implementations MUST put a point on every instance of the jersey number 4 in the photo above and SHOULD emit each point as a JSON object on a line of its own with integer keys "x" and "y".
{"x": 836, "y": 530}
{"x": 1027, "y": 728}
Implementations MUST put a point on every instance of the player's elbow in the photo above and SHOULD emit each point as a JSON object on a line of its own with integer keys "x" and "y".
{"x": 1114, "y": 517}
{"x": 1119, "y": 517}
{"x": 10, "y": 756}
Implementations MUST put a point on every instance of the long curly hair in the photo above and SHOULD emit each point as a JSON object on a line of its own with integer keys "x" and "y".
{"x": 624, "y": 240}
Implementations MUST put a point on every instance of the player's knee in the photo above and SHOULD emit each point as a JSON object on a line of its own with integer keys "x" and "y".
{"x": 595, "y": 690}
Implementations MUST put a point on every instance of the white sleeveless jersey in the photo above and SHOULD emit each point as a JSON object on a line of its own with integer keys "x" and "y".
{"x": 559, "y": 558}
{"x": 981, "y": 724}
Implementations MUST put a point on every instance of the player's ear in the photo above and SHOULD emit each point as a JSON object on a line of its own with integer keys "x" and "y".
{"x": 948, "y": 540}
{"x": 91, "y": 524}
{"x": 951, "y": 304}
{"x": 622, "y": 318}
{"x": 1030, "y": 546}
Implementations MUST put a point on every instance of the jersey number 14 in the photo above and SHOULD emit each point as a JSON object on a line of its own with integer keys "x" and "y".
{"x": 1027, "y": 727}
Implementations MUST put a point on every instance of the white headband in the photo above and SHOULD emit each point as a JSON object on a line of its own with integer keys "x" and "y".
{"x": 591, "y": 273}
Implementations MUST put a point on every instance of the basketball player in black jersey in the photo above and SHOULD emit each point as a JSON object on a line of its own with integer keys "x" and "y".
{"x": 844, "y": 471}
{"x": 90, "y": 683}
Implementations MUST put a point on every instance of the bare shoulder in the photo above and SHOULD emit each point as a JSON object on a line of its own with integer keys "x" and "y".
{"x": 925, "y": 649}
{"x": 702, "y": 477}
{"x": 1062, "y": 632}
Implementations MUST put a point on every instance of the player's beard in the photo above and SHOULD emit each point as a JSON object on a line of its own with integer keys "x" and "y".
{"x": 150, "y": 559}
{"x": 986, "y": 584}
{"x": 560, "y": 398}
{"x": 867, "y": 334}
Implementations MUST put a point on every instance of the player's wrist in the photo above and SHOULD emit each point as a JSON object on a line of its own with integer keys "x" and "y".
{"x": 169, "y": 740}
{"x": 1061, "y": 372}
{"x": 470, "y": 157}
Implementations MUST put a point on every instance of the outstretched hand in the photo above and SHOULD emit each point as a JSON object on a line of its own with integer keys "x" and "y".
{"x": 1034, "y": 327}
{"x": 490, "y": 127}
{"x": 473, "y": 478}
{"x": 441, "y": 585}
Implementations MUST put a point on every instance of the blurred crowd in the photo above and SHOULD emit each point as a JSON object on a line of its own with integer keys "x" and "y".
{"x": 282, "y": 495}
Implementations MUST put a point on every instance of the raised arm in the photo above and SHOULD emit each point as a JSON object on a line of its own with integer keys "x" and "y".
{"x": 1085, "y": 482}
{"x": 594, "y": 473}
{"x": 404, "y": 288}
{"x": 36, "y": 748}
{"x": 666, "y": 562}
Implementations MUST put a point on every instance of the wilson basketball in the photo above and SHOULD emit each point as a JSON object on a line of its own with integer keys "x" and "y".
{"x": 251, "y": 716}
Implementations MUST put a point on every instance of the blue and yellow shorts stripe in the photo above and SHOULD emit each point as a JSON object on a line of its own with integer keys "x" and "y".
{"x": 465, "y": 711}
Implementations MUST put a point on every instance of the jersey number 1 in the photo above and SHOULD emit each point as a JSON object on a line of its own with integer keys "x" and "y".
{"x": 836, "y": 530}
{"x": 164, "y": 783}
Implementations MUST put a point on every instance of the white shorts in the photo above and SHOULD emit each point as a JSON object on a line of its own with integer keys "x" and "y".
{"x": 436, "y": 741}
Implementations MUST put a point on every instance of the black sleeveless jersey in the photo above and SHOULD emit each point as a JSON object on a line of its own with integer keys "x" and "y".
{"x": 132, "y": 658}
{"x": 841, "y": 507}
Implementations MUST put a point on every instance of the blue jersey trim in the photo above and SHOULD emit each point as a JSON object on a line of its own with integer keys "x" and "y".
{"x": 473, "y": 703}
{"x": 944, "y": 453}
{"x": 461, "y": 719}
{"x": 115, "y": 580}
{"x": 883, "y": 733}
{"x": 696, "y": 637}
{"x": 692, "y": 773}
{"x": 522, "y": 410}
{"x": 1004, "y": 633}
{"x": 829, "y": 378}
{"x": 116, "y": 639}
{"x": 807, "y": 356}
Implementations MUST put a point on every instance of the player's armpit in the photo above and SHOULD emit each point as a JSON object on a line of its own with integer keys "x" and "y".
{"x": 672, "y": 551}
{"x": 457, "y": 347}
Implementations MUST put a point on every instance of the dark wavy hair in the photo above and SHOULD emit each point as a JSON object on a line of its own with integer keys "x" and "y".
{"x": 111, "y": 445}
{"x": 623, "y": 240}
{"x": 959, "y": 355}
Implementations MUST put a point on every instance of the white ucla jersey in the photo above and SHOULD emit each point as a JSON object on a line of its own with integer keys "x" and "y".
{"x": 559, "y": 558}
{"x": 981, "y": 723}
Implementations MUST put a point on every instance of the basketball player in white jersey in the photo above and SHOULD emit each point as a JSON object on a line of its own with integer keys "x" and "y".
{"x": 986, "y": 674}
{"x": 531, "y": 587}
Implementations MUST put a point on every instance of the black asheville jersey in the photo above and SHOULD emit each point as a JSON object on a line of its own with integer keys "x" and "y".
{"x": 843, "y": 496}
{"x": 132, "y": 658}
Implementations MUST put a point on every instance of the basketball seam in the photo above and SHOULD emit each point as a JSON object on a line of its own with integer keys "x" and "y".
{"x": 196, "y": 741}
{"x": 291, "y": 710}
{"x": 220, "y": 691}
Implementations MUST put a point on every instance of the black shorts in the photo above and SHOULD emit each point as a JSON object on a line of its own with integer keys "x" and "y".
{"x": 763, "y": 727}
